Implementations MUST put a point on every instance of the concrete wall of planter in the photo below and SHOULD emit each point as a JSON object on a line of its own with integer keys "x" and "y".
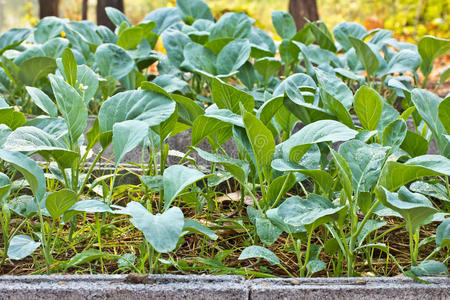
{"x": 56, "y": 287}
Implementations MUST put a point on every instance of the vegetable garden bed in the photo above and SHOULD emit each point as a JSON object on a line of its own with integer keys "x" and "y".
{"x": 314, "y": 156}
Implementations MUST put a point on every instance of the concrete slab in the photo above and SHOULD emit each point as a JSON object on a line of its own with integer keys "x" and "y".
{"x": 217, "y": 287}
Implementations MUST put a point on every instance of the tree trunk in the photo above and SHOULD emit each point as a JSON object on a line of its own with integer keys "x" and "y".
{"x": 48, "y": 8}
{"x": 102, "y": 18}
{"x": 84, "y": 10}
{"x": 301, "y": 9}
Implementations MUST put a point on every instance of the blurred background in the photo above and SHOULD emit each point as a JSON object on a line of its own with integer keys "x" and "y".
{"x": 408, "y": 19}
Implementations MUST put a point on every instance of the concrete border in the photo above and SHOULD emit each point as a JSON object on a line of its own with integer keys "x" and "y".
{"x": 217, "y": 287}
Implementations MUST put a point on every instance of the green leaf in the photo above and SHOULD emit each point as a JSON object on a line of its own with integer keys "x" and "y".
{"x": 444, "y": 75}
{"x": 174, "y": 42}
{"x": 13, "y": 38}
{"x": 233, "y": 56}
{"x": 280, "y": 186}
{"x": 116, "y": 16}
{"x": 443, "y": 234}
{"x": 162, "y": 231}
{"x": 21, "y": 246}
{"x": 130, "y": 38}
{"x": 11, "y": 118}
{"x": 29, "y": 169}
{"x": 394, "y": 134}
{"x": 127, "y": 135}
{"x": 70, "y": 66}
{"x": 259, "y": 252}
{"x": 35, "y": 140}
{"x": 164, "y": 18}
{"x": 415, "y": 208}
{"x": 435, "y": 190}
{"x": 315, "y": 265}
{"x": 88, "y": 83}
{"x": 90, "y": 206}
{"x": 430, "y": 268}
{"x": 232, "y": 25}
{"x": 71, "y": 106}
{"x": 200, "y": 58}
{"x": 57, "y": 203}
{"x": 414, "y": 144}
{"x": 85, "y": 257}
{"x": 188, "y": 110}
{"x": 312, "y": 211}
{"x": 444, "y": 113}
{"x": 267, "y": 232}
{"x": 196, "y": 227}
{"x": 229, "y": 97}
{"x": 335, "y": 87}
{"x": 261, "y": 139}
{"x": 344, "y": 30}
{"x": 176, "y": 179}
{"x": 427, "y": 105}
{"x": 143, "y": 105}
{"x": 430, "y": 48}
{"x": 322, "y": 35}
{"x": 369, "y": 227}
{"x": 113, "y": 60}
{"x": 36, "y": 68}
{"x": 345, "y": 173}
{"x": 5, "y": 187}
{"x": 365, "y": 163}
{"x": 194, "y": 10}
{"x": 267, "y": 67}
{"x": 42, "y": 101}
{"x": 403, "y": 61}
{"x": 284, "y": 24}
{"x": 368, "y": 107}
{"x": 365, "y": 55}
{"x": 395, "y": 175}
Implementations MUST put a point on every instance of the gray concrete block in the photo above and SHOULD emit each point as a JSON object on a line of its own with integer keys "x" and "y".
{"x": 80, "y": 287}
{"x": 349, "y": 288}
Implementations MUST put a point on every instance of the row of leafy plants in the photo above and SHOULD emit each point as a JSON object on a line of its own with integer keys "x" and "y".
{"x": 331, "y": 130}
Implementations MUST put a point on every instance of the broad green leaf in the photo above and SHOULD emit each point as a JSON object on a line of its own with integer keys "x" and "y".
{"x": 444, "y": 114}
{"x": 369, "y": 227}
{"x": 34, "y": 140}
{"x": 368, "y": 107}
{"x": 21, "y": 246}
{"x": 71, "y": 106}
{"x": 430, "y": 48}
{"x": 42, "y": 101}
{"x": 29, "y": 169}
{"x": 229, "y": 97}
{"x": 315, "y": 265}
{"x": 279, "y": 187}
{"x": 262, "y": 43}
{"x": 13, "y": 38}
{"x": 5, "y": 131}
{"x": 427, "y": 105}
{"x": 403, "y": 61}
{"x": 261, "y": 139}
{"x": 196, "y": 227}
{"x": 164, "y": 18}
{"x": 5, "y": 187}
{"x": 200, "y": 58}
{"x": 113, "y": 60}
{"x": 86, "y": 256}
{"x": 365, "y": 163}
{"x": 238, "y": 168}
{"x": 435, "y": 190}
{"x": 415, "y": 208}
{"x": 322, "y": 35}
{"x": 162, "y": 231}
{"x": 188, "y": 110}
{"x": 443, "y": 234}
{"x": 232, "y": 25}
{"x": 291, "y": 86}
{"x": 116, "y": 16}
{"x": 87, "y": 83}
{"x": 174, "y": 42}
{"x": 336, "y": 107}
{"x": 171, "y": 83}
{"x": 259, "y": 252}
{"x": 267, "y": 67}
{"x": 395, "y": 175}
{"x": 205, "y": 126}
{"x": 130, "y": 37}
{"x": 127, "y": 135}
{"x": 36, "y": 68}
{"x": 11, "y": 118}
{"x": 175, "y": 179}
{"x": 444, "y": 75}
{"x": 194, "y": 10}
{"x": 312, "y": 211}
{"x": 335, "y": 87}
{"x": 345, "y": 174}
{"x": 57, "y": 203}
{"x": 394, "y": 134}
{"x": 430, "y": 268}
{"x": 48, "y": 28}
{"x": 142, "y": 105}
{"x": 320, "y": 131}
{"x": 233, "y": 56}
{"x": 346, "y": 29}
{"x": 365, "y": 55}
{"x": 90, "y": 206}
{"x": 414, "y": 144}
{"x": 284, "y": 24}
{"x": 70, "y": 66}
{"x": 267, "y": 232}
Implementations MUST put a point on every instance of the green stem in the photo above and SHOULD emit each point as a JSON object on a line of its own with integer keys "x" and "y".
{"x": 91, "y": 168}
